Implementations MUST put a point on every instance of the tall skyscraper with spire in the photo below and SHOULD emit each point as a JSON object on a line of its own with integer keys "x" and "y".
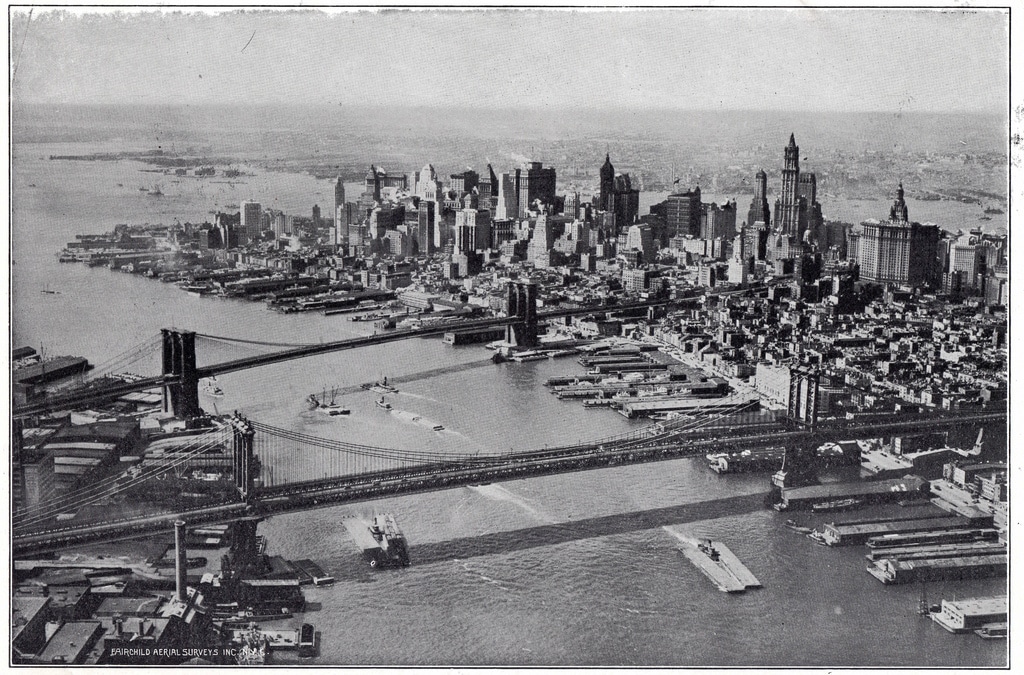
{"x": 797, "y": 221}
{"x": 898, "y": 212}
{"x": 787, "y": 206}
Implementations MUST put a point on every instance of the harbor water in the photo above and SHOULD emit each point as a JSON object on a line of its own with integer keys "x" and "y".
{"x": 574, "y": 569}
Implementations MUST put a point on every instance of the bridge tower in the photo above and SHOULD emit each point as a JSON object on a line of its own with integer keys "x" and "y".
{"x": 803, "y": 396}
{"x": 244, "y": 468}
{"x": 179, "y": 360}
{"x": 522, "y": 302}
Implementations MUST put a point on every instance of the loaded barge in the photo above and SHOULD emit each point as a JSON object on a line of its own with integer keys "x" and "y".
{"x": 382, "y": 542}
{"x": 721, "y": 565}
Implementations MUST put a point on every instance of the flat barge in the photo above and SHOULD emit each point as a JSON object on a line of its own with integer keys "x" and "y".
{"x": 381, "y": 542}
{"x": 315, "y": 572}
{"x": 721, "y": 565}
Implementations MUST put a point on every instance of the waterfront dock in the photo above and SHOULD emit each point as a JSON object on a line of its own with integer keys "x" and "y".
{"x": 899, "y": 571}
{"x": 890, "y": 490}
{"x": 968, "y": 614}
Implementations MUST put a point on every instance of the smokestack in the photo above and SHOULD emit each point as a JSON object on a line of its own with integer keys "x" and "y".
{"x": 180, "y": 561}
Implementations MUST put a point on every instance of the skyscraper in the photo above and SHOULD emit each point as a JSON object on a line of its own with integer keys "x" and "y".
{"x": 339, "y": 194}
{"x": 534, "y": 182}
{"x": 683, "y": 213}
{"x": 425, "y": 228}
{"x": 506, "y": 201}
{"x": 798, "y": 220}
{"x": 787, "y": 206}
{"x": 759, "y": 210}
{"x": 897, "y": 251}
{"x": 251, "y": 214}
{"x": 607, "y": 184}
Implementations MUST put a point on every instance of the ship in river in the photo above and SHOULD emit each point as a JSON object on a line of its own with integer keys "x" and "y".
{"x": 331, "y": 409}
{"x": 381, "y": 541}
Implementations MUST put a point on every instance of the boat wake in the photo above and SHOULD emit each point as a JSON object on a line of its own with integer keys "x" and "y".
{"x": 693, "y": 541}
{"x": 482, "y": 576}
{"x": 500, "y": 494}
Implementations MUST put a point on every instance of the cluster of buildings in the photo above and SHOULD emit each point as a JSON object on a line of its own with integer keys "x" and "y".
{"x": 418, "y": 229}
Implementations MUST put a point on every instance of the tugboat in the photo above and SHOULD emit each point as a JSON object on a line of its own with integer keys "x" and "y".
{"x": 382, "y": 387}
{"x": 383, "y": 404}
{"x": 707, "y": 549}
{"x": 793, "y": 525}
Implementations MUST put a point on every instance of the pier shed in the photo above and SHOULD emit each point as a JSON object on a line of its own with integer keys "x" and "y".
{"x": 890, "y": 490}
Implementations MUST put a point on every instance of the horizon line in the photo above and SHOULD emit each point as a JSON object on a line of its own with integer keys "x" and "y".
{"x": 517, "y": 108}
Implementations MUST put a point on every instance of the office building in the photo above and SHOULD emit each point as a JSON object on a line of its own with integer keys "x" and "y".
{"x": 683, "y": 213}
{"x": 533, "y": 183}
{"x": 759, "y": 210}
{"x": 897, "y": 251}
{"x": 251, "y": 217}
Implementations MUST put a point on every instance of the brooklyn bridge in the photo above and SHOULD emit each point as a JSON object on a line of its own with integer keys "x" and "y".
{"x": 275, "y": 470}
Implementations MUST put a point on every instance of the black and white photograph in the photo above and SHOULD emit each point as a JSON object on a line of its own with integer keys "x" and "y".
{"x": 553, "y": 337}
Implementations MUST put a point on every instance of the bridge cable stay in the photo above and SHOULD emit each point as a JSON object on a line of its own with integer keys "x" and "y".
{"x": 83, "y": 497}
{"x": 714, "y": 415}
{"x": 261, "y": 343}
{"x": 109, "y": 487}
{"x": 115, "y": 364}
{"x": 128, "y": 357}
{"x": 362, "y": 450}
{"x": 421, "y": 457}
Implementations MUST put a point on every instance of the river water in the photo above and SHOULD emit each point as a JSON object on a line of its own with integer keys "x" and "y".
{"x": 576, "y": 569}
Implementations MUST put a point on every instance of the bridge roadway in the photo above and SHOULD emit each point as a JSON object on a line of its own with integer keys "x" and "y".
{"x": 91, "y": 396}
{"x": 426, "y": 478}
{"x": 395, "y": 335}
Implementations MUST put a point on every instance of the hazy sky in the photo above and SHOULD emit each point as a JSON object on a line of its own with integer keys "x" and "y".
{"x": 910, "y": 60}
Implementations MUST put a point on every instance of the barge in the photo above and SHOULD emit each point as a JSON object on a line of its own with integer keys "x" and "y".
{"x": 720, "y": 565}
{"x": 381, "y": 542}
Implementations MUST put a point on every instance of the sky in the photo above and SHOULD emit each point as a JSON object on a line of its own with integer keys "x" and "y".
{"x": 778, "y": 59}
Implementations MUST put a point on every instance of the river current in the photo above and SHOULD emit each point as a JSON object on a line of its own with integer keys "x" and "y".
{"x": 575, "y": 569}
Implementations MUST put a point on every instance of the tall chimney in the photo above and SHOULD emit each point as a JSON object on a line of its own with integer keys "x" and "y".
{"x": 180, "y": 562}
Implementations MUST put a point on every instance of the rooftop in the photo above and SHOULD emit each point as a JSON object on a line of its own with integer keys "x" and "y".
{"x": 70, "y": 641}
{"x": 983, "y": 605}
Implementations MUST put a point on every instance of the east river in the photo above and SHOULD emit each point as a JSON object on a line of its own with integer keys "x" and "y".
{"x": 575, "y": 569}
